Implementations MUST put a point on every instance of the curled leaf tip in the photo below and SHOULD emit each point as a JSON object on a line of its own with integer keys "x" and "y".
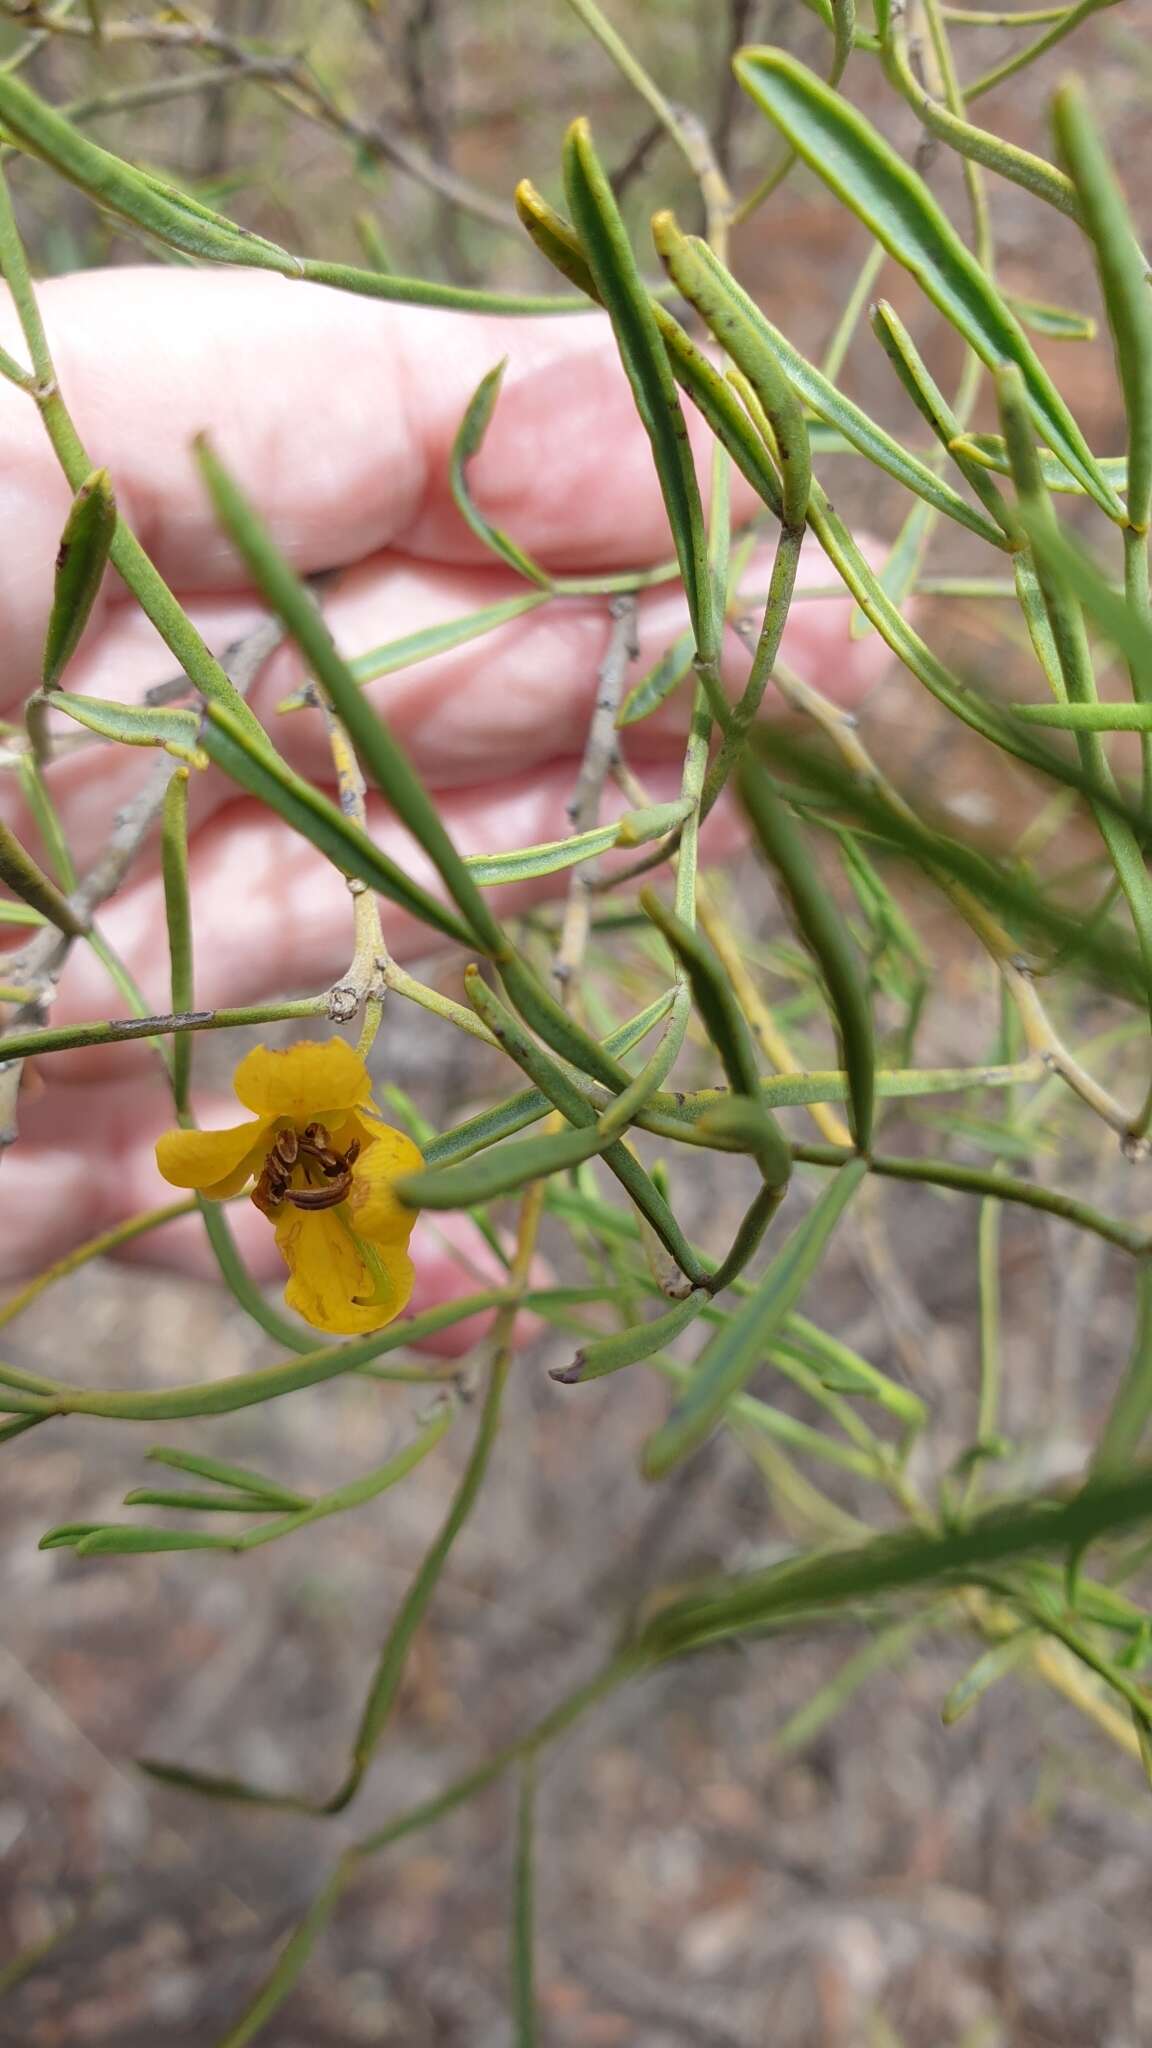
{"x": 569, "y": 1375}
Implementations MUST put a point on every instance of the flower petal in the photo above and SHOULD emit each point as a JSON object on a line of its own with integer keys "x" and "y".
{"x": 308, "y": 1082}
{"x": 217, "y": 1163}
{"x": 374, "y": 1211}
{"x": 328, "y": 1274}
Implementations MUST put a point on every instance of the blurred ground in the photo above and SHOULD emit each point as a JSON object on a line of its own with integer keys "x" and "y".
{"x": 985, "y": 1886}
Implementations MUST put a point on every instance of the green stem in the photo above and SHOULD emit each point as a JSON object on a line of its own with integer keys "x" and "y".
{"x": 66, "y": 1037}
{"x": 975, "y": 1180}
{"x": 20, "y": 873}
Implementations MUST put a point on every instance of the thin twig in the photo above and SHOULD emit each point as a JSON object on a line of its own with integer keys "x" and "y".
{"x": 242, "y": 659}
{"x": 41, "y": 962}
{"x": 293, "y": 82}
{"x": 732, "y": 100}
{"x": 425, "y": 56}
{"x": 636, "y": 161}
{"x": 600, "y": 755}
{"x": 1040, "y": 1033}
{"x": 365, "y": 984}
{"x": 765, "y": 1029}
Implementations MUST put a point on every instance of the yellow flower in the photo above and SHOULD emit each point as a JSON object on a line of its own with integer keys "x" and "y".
{"x": 324, "y": 1165}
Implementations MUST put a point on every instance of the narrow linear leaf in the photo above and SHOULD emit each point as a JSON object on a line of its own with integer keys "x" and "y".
{"x": 991, "y": 1180}
{"x": 149, "y": 204}
{"x": 1088, "y": 717}
{"x": 381, "y": 756}
{"x": 986, "y": 1672}
{"x": 605, "y": 244}
{"x": 1128, "y": 1417}
{"x": 743, "y": 1121}
{"x": 1074, "y": 657}
{"x": 833, "y": 1579}
{"x": 429, "y": 641}
{"x": 296, "y": 1950}
{"x": 844, "y": 1371}
{"x": 990, "y": 451}
{"x": 1001, "y": 885}
{"x": 724, "y": 1021}
{"x": 27, "y": 880}
{"x": 662, "y": 678}
{"x": 237, "y": 1476}
{"x": 707, "y": 1106}
{"x": 524, "y": 2003}
{"x": 822, "y": 930}
{"x": 226, "y": 1503}
{"x": 527, "y": 863}
{"x": 392, "y": 1662}
{"x": 135, "y": 725}
{"x": 704, "y": 282}
{"x": 885, "y": 1651}
{"x": 932, "y": 405}
{"x": 423, "y": 291}
{"x": 1055, "y": 323}
{"x": 206, "y": 1785}
{"x": 848, "y": 153}
{"x": 121, "y": 1540}
{"x": 27, "y": 1045}
{"x": 902, "y": 564}
{"x": 555, "y": 238}
{"x": 1123, "y": 282}
{"x": 603, "y": 1355}
{"x": 469, "y": 440}
{"x": 751, "y": 1420}
{"x": 270, "y": 1383}
{"x": 105, "y": 1241}
{"x": 433, "y": 1426}
{"x": 178, "y": 917}
{"x": 552, "y": 1022}
{"x": 81, "y": 560}
{"x": 501, "y": 1170}
{"x": 730, "y": 1358}
{"x": 849, "y": 421}
{"x": 319, "y": 820}
{"x": 563, "y": 1094}
{"x": 983, "y": 146}
{"x": 711, "y": 394}
{"x": 1073, "y": 568}
{"x": 66, "y": 1535}
{"x": 958, "y": 696}
{"x": 1065, "y": 20}
{"x": 507, "y": 1117}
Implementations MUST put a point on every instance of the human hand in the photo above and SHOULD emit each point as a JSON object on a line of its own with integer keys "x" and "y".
{"x": 336, "y": 415}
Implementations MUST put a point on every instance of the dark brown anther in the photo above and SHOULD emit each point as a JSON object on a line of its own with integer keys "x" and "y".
{"x": 272, "y": 1186}
{"x": 312, "y": 1150}
{"x": 321, "y": 1198}
{"x": 287, "y": 1147}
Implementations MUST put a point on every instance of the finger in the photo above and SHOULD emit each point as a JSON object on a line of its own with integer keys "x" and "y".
{"x": 269, "y": 913}
{"x": 58, "y": 1193}
{"x": 514, "y": 700}
{"x": 336, "y": 414}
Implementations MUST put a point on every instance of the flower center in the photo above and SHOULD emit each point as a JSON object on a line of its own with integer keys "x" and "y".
{"x": 304, "y": 1168}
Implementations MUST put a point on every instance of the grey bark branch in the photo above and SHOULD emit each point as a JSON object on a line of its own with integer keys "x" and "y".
{"x": 601, "y": 752}
{"x": 40, "y": 963}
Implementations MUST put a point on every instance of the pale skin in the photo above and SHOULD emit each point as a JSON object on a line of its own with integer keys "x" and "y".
{"x": 336, "y": 415}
